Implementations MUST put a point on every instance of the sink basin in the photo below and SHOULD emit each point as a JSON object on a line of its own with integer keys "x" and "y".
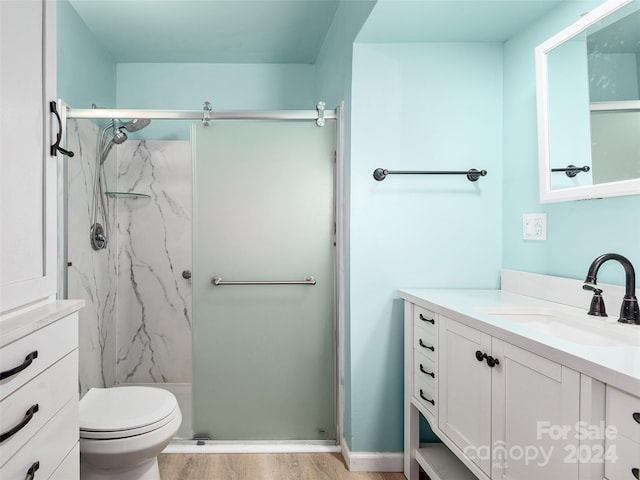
{"x": 581, "y": 330}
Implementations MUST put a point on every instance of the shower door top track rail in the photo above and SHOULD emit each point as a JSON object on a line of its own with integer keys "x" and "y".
{"x": 125, "y": 114}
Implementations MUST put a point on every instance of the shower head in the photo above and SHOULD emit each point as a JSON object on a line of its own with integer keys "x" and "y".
{"x": 133, "y": 125}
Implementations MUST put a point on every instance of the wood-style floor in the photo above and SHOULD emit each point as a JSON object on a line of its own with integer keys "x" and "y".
{"x": 249, "y": 466}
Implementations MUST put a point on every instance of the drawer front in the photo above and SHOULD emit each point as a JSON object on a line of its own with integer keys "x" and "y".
{"x": 425, "y": 319}
{"x": 628, "y": 453}
{"x": 424, "y": 368}
{"x": 425, "y": 393}
{"x": 47, "y": 393}
{"x": 424, "y": 342}
{"x": 69, "y": 469}
{"x": 623, "y": 412}
{"x": 48, "y": 447}
{"x": 51, "y": 343}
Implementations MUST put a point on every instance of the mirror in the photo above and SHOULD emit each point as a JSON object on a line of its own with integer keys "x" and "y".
{"x": 588, "y": 89}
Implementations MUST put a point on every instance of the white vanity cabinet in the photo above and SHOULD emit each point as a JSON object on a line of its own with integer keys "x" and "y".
{"x": 39, "y": 394}
{"x": 622, "y": 414}
{"x": 526, "y": 387}
{"x": 495, "y": 406}
{"x": 498, "y": 401}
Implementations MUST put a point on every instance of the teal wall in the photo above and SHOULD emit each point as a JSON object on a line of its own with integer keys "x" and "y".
{"x": 411, "y": 106}
{"x": 333, "y": 84}
{"x": 186, "y": 86}
{"x": 414, "y": 108}
{"x": 86, "y": 72}
{"x": 578, "y": 231}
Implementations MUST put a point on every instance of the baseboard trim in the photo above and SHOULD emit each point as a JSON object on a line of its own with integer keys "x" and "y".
{"x": 372, "y": 461}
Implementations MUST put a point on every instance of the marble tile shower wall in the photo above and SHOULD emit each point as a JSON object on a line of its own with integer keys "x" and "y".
{"x": 92, "y": 275}
{"x": 154, "y": 248}
{"x": 136, "y": 325}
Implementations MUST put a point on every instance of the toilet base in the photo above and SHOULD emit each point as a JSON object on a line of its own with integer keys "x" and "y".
{"x": 146, "y": 471}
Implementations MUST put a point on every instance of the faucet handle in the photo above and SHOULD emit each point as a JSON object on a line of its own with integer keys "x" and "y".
{"x": 597, "y": 302}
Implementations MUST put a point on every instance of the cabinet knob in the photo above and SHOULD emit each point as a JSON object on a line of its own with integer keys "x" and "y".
{"x": 492, "y": 362}
{"x": 428, "y": 347}
{"x": 432, "y": 321}
{"x": 636, "y": 417}
{"x": 636, "y": 472}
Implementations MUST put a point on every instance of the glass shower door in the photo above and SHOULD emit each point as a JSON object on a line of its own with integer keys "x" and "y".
{"x": 264, "y": 354}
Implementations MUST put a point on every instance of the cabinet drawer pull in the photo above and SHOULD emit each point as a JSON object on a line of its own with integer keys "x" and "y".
{"x": 432, "y": 374}
{"x": 432, "y": 321}
{"x": 27, "y": 361}
{"x": 31, "y": 473}
{"x": 636, "y": 417}
{"x": 636, "y": 472}
{"x": 432, "y": 402}
{"x": 27, "y": 418}
{"x": 428, "y": 347}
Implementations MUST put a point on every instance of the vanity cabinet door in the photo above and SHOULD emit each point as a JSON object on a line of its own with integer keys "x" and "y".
{"x": 535, "y": 410}
{"x": 465, "y": 390}
{"x": 28, "y": 181}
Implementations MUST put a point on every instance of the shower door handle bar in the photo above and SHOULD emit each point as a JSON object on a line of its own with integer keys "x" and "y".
{"x": 309, "y": 280}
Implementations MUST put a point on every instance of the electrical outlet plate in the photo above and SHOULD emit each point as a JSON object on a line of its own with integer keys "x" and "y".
{"x": 534, "y": 226}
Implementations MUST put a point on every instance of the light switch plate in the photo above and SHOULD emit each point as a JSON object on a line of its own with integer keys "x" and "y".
{"x": 534, "y": 226}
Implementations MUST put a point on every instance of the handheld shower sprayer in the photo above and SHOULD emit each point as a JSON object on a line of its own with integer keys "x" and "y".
{"x": 99, "y": 232}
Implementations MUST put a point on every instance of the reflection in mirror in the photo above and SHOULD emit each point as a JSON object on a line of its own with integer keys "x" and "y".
{"x": 589, "y": 105}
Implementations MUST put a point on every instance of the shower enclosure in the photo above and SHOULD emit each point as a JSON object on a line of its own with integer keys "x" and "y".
{"x": 264, "y": 331}
{"x": 263, "y": 284}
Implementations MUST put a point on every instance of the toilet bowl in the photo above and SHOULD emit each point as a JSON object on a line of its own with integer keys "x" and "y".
{"x": 122, "y": 431}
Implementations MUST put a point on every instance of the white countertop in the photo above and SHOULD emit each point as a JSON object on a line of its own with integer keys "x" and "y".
{"x": 20, "y": 324}
{"x": 617, "y": 364}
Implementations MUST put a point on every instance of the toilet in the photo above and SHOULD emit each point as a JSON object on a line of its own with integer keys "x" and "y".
{"x": 123, "y": 430}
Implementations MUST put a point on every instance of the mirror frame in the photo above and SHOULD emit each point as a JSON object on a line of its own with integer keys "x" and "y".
{"x": 586, "y": 192}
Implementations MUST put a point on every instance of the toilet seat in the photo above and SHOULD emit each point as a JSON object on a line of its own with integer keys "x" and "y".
{"x": 120, "y": 412}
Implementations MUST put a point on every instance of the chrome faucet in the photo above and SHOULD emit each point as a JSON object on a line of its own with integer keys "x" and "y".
{"x": 629, "y": 312}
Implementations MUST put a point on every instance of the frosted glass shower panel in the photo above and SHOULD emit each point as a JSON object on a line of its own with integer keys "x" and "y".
{"x": 264, "y": 364}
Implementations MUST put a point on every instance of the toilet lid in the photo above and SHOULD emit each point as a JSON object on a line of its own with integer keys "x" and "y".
{"x": 118, "y": 411}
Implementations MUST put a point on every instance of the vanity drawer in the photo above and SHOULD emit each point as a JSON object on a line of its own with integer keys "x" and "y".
{"x": 628, "y": 459}
{"x": 424, "y": 367}
{"x": 33, "y": 404}
{"x": 49, "y": 446}
{"x": 425, "y": 392}
{"x": 51, "y": 343}
{"x": 424, "y": 342}
{"x": 623, "y": 412}
{"x": 425, "y": 318}
{"x": 69, "y": 469}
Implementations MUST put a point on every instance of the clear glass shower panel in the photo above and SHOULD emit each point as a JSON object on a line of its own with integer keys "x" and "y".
{"x": 264, "y": 355}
